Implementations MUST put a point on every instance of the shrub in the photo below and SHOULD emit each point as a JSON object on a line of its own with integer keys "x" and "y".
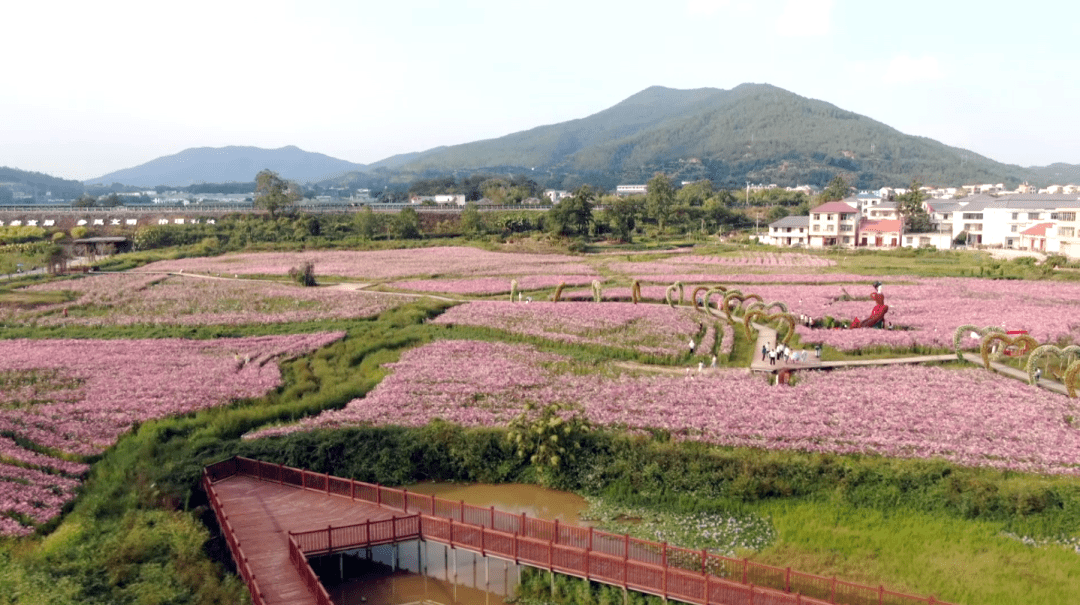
{"x": 304, "y": 274}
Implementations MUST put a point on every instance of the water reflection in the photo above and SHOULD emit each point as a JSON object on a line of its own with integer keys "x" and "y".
{"x": 429, "y": 572}
{"x": 516, "y": 498}
{"x": 416, "y": 572}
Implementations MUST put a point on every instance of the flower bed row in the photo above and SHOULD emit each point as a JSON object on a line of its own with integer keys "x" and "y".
{"x": 117, "y": 383}
{"x": 969, "y": 417}
{"x": 647, "y": 328}
{"x": 381, "y": 264}
{"x": 128, "y": 298}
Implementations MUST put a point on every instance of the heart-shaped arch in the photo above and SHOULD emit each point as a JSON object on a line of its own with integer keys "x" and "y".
{"x": 1025, "y": 342}
{"x": 787, "y": 318}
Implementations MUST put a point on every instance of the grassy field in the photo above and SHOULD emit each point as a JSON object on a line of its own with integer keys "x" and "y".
{"x": 140, "y": 531}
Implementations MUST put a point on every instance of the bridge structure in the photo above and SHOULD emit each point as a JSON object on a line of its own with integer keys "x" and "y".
{"x": 274, "y": 517}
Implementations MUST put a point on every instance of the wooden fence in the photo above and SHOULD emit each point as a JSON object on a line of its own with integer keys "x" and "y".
{"x": 655, "y": 568}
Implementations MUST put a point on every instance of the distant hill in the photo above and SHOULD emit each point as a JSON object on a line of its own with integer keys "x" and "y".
{"x": 754, "y": 132}
{"x": 229, "y": 164}
{"x": 36, "y": 184}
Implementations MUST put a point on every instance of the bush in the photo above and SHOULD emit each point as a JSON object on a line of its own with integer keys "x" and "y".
{"x": 304, "y": 274}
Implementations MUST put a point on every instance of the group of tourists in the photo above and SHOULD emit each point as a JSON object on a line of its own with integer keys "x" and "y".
{"x": 783, "y": 354}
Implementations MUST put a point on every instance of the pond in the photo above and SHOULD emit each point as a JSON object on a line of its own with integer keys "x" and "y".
{"x": 517, "y": 498}
{"x": 429, "y": 572}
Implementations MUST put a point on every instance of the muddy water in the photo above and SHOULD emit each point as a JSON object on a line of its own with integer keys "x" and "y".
{"x": 517, "y": 498}
{"x": 416, "y": 572}
{"x": 428, "y": 572}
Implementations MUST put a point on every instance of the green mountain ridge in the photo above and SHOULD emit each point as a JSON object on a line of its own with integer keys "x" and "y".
{"x": 754, "y": 132}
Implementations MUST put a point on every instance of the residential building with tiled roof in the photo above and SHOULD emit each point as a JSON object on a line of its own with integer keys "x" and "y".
{"x": 884, "y": 233}
{"x": 789, "y": 231}
{"x": 833, "y": 224}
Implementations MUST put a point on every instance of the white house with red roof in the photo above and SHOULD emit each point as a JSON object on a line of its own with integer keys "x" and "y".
{"x": 882, "y": 233}
{"x": 1035, "y": 237}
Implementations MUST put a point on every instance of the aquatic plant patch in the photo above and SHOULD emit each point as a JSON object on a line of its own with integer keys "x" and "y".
{"x": 102, "y": 389}
{"x": 968, "y": 417}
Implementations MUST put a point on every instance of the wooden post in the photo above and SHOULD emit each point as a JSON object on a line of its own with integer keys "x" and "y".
{"x": 405, "y": 499}
{"x": 707, "y": 591}
{"x": 516, "y": 561}
{"x": 329, "y": 539}
{"x": 590, "y": 537}
{"x": 461, "y": 511}
{"x": 280, "y": 474}
{"x": 663, "y": 558}
{"x": 881, "y": 594}
{"x": 704, "y": 559}
{"x": 745, "y": 565}
{"x": 626, "y": 547}
{"x": 556, "y": 537}
{"x": 433, "y": 505}
{"x": 451, "y": 531}
{"x": 523, "y": 523}
{"x": 787, "y": 580}
{"x": 482, "y": 532}
{"x": 367, "y": 530}
{"x": 492, "y": 517}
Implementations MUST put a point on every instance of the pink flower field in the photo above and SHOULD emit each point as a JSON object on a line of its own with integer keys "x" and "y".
{"x": 968, "y": 417}
{"x": 76, "y": 397}
{"x": 649, "y": 328}
{"x": 492, "y": 285}
{"x": 382, "y": 264}
{"x": 138, "y": 298}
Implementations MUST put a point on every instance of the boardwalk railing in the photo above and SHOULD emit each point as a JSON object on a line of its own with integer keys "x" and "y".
{"x": 234, "y": 544}
{"x": 642, "y": 565}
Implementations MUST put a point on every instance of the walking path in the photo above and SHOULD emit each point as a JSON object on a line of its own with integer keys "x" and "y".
{"x": 767, "y": 337}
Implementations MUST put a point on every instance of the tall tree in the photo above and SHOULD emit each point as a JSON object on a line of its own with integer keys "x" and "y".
{"x": 273, "y": 193}
{"x": 910, "y": 207}
{"x": 406, "y": 224}
{"x": 621, "y": 214}
{"x": 573, "y": 215}
{"x": 471, "y": 222}
{"x": 837, "y": 189}
{"x": 659, "y": 199}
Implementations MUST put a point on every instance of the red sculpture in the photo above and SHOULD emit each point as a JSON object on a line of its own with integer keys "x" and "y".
{"x": 876, "y": 318}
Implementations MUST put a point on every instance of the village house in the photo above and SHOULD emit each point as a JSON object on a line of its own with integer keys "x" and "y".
{"x": 833, "y": 224}
{"x": 790, "y": 231}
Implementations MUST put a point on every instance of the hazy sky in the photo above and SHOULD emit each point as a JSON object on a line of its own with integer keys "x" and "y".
{"x": 92, "y": 87}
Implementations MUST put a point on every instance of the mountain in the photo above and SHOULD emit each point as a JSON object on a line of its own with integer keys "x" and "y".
{"x": 36, "y": 185}
{"x": 229, "y": 164}
{"x": 755, "y": 132}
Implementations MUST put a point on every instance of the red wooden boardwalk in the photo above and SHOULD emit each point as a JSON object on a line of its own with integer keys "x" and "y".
{"x": 262, "y": 514}
{"x": 273, "y": 517}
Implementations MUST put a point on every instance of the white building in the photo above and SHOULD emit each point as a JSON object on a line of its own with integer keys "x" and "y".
{"x": 788, "y": 232}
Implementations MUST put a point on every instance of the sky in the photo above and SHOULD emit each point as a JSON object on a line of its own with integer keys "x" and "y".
{"x": 93, "y": 87}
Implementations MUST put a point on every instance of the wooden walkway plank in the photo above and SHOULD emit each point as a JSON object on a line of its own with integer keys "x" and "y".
{"x": 262, "y": 514}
